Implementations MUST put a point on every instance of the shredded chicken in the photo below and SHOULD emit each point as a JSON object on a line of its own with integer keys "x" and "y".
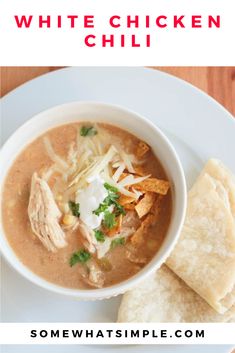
{"x": 96, "y": 277}
{"x": 44, "y": 215}
{"x": 93, "y": 275}
{"x": 92, "y": 245}
{"x": 131, "y": 220}
{"x": 89, "y": 237}
{"x": 135, "y": 258}
{"x": 90, "y": 242}
{"x": 103, "y": 248}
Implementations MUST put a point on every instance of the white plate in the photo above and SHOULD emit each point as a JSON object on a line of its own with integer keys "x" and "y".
{"x": 198, "y": 127}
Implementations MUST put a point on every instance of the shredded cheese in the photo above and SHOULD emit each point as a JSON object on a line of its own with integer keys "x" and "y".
{"x": 127, "y": 160}
{"x": 130, "y": 180}
{"x": 89, "y": 158}
{"x": 119, "y": 172}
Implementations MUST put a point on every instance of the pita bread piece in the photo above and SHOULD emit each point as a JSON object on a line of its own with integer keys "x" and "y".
{"x": 164, "y": 297}
{"x": 204, "y": 256}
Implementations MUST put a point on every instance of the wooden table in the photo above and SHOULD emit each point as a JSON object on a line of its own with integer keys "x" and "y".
{"x": 219, "y": 82}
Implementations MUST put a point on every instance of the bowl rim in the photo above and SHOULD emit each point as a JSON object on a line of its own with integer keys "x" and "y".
{"x": 118, "y": 288}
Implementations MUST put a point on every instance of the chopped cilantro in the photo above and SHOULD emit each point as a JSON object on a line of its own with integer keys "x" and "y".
{"x": 119, "y": 209}
{"x": 88, "y": 131}
{"x": 99, "y": 236}
{"x": 102, "y": 208}
{"x": 74, "y": 207}
{"x": 110, "y": 188}
{"x": 81, "y": 256}
{"x": 111, "y": 199}
{"x": 117, "y": 241}
{"x": 109, "y": 220}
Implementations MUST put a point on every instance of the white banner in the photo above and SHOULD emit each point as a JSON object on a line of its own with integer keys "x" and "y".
{"x": 112, "y": 333}
{"x": 111, "y": 32}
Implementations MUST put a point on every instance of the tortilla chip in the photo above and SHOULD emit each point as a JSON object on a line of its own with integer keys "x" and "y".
{"x": 139, "y": 170}
{"x": 145, "y": 204}
{"x": 130, "y": 206}
{"x": 154, "y": 185}
{"x": 138, "y": 237}
{"x": 151, "y": 218}
{"x": 142, "y": 149}
{"x": 157, "y": 206}
{"x": 204, "y": 256}
{"x": 164, "y": 297}
{"x": 124, "y": 200}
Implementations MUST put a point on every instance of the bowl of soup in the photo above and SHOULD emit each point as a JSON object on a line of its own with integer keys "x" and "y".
{"x": 93, "y": 199}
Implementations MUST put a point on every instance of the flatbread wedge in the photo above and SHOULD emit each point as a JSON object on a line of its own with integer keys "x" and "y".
{"x": 164, "y": 297}
{"x": 204, "y": 256}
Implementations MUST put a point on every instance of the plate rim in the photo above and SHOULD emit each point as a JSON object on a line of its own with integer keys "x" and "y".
{"x": 142, "y": 68}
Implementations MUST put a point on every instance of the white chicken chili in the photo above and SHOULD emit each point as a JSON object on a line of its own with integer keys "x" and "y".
{"x": 86, "y": 205}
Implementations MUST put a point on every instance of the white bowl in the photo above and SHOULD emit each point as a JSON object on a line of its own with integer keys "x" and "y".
{"x": 130, "y": 121}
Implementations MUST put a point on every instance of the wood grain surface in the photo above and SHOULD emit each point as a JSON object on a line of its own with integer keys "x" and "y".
{"x": 218, "y": 82}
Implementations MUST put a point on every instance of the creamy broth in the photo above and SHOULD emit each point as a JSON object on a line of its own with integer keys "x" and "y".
{"x": 54, "y": 266}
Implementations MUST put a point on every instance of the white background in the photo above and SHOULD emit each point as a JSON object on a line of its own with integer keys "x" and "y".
{"x": 65, "y": 46}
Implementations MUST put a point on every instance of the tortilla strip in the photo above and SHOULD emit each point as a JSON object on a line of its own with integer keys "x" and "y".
{"x": 164, "y": 297}
{"x": 130, "y": 206}
{"x": 142, "y": 149}
{"x": 144, "y": 205}
{"x": 123, "y": 200}
{"x": 139, "y": 170}
{"x": 204, "y": 256}
{"x": 138, "y": 237}
{"x": 154, "y": 185}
